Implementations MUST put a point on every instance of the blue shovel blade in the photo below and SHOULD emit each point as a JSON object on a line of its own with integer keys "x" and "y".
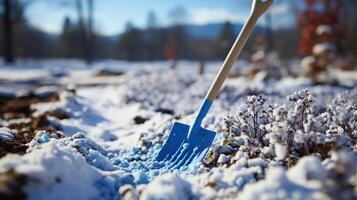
{"x": 180, "y": 150}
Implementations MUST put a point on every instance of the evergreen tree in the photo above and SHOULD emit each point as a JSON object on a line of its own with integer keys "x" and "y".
{"x": 225, "y": 39}
{"x": 12, "y": 11}
{"x": 152, "y": 21}
{"x": 8, "y": 41}
{"x": 70, "y": 40}
{"x": 65, "y": 38}
{"x": 153, "y": 38}
{"x": 131, "y": 45}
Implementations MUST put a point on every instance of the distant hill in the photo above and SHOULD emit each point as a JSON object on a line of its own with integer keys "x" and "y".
{"x": 212, "y": 30}
{"x": 209, "y": 31}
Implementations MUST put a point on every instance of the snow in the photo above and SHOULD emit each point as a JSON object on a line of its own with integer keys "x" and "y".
{"x": 309, "y": 172}
{"x": 168, "y": 186}
{"x": 68, "y": 172}
{"x": 303, "y": 181}
{"x": 9, "y": 91}
{"x": 307, "y": 62}
{"x": 105, "y": 154}
{"x": 45, "y": 91}
{"x": 324, "y": 29}
{"x": 14, "y": 121}
{"x": 278, "y": 186}
{"x": 259, "y": 55}
{"x": 5, "y": 134}
{"x": 223, "y": 159}
{"x": 280, "y": 151}
{"x": 12, "y": 74}
{"x": 323, "y": 47}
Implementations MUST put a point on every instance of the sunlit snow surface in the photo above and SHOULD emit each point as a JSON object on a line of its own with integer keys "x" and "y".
{"x": 105, "y": 154}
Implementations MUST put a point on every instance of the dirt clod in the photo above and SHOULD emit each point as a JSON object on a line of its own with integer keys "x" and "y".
{"x": 140, "y": 120}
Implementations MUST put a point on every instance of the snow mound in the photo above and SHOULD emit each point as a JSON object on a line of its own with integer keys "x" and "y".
{"x": 167, "y": 187}
{"x": 308, "y": 172}
{"x": 53, "y": 169}
{"x": 324, "y": 29}
{"x": 323, "y": 47}
{"x": 293, "y": 184}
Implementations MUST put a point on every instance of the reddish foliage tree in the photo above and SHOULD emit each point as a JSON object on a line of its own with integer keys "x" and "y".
{"x": 311, "y": 17}
{"x": 170, "y": 49}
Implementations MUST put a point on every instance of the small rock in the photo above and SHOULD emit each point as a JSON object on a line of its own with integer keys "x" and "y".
{"x": 165, "y": 111}
{"x": 223, "y": 159}
{"x": 226, "y": 149}
{"x": 140, "y": 120}
{"x": 128, "y": 192}
{"x": 78, "y": 136}
{"x": 211, "y": 159}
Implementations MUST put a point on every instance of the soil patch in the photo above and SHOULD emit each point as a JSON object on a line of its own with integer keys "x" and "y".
{"x": 20, "y": 108}
{"x": 108, "y": 73}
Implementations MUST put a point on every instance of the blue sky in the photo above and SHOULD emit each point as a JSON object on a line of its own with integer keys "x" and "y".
{"x": 112, "y": 15}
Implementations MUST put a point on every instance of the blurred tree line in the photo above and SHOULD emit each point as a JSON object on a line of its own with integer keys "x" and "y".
{"x": 78, "y": 38}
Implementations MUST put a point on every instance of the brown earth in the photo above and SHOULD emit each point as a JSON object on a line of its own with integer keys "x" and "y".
{"x": 108, "y": 73}
{"x": 17, "y": 108}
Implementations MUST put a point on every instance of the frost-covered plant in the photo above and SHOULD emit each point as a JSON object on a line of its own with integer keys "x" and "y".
{"x": 301, "y": 110}
{"x": 250, "y": 120}
{"x": 288, "y": 122}
{"x": 343, "y": 115}
{"x": 294, "y": 129}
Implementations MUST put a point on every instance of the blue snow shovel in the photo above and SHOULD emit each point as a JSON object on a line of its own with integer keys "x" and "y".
{"x": 187, "y": 144}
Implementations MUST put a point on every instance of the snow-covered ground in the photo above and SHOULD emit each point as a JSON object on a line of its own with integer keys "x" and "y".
{"x": 276, "y": 139}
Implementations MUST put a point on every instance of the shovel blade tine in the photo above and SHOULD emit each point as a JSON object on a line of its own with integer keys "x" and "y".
{"x": 202, "y": 141}
{"x": 174, "y": 150}
{"x": 177, "y": 137}
{"x": 199, "y": 145}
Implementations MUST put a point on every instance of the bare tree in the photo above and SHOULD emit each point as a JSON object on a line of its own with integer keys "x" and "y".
{"x": 86, "y": 29}
{"x": 82, "y": 29}
{"x": 269, "y": 31}
{"x": 8, "y": 40}
{"x": 13, "y": 11}
{"x": 90, "y": 33}
{"x": 85, "y": 18}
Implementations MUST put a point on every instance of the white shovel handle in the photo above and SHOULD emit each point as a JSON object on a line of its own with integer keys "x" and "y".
{"x": 258, "y": 8}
